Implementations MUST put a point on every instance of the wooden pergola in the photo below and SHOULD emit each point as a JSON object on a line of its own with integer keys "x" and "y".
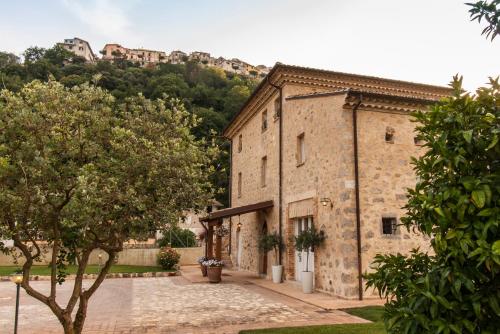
{"x": 215, "y": 219}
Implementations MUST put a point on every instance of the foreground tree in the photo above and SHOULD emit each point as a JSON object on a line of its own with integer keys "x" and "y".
{"x": 490, "y": 12}
{"x": 79, "y": 173}
{"x": 457, "y": 203}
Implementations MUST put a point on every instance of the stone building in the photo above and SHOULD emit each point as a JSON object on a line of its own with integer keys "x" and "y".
{"x": 80, "y": 48}
{"x": 329, "y": 149}
{"x": 144, "y": 57}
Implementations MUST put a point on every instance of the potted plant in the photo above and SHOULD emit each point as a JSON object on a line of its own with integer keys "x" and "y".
{"x": 214, "y": 270}
{"x": 202, "y": 267}
{"x": 306, "y": 241}
{"x": 274, "y": 242}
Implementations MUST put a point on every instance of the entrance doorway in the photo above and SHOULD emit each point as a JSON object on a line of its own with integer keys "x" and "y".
{"x": 303, "y": 224}
{"x": 263, "y": 256}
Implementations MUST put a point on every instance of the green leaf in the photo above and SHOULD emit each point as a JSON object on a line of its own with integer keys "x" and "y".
{"x": 467, "y": 136}
{"x": 486, "y": 212}
{"x": 495, "y": 248}
{"x": 444, "y": 302}
{"x": 439, "y": 211}
{"x": 493, "y": 143}
{"x": 478, "y": 198}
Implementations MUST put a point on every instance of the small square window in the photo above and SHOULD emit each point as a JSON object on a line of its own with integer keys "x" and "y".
{"x": 389, "y": 135}
{"x": 263, "y": 171}
{"x": 240, "y": 143}
{"x": 389, "y": 225}
{"x": 264, "y": 120}
{"x": 277, "y": 108}
{"x": 301, "y": 150}
{"x": 239, "y": 184}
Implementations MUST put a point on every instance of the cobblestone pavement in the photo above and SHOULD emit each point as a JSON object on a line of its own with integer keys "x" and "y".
{"x": 167, "y": 305}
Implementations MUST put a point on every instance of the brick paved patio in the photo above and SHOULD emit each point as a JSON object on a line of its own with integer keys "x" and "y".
{"x": 169, "y": 305}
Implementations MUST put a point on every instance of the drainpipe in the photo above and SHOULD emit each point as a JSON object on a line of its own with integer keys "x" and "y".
{"x": 280, "y": 165}
{"x": 230, "y": 191}
{"x": 356, "y": 185}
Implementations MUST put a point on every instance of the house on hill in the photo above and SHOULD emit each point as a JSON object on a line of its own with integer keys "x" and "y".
{"x": 330, "y": 150}
{"x": 80, "y": 48}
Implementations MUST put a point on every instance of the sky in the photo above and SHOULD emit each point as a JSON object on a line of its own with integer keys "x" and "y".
{"x": 425, "y": 41}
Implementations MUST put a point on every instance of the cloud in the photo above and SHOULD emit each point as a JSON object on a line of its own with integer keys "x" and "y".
{"x": 106, "y": 17}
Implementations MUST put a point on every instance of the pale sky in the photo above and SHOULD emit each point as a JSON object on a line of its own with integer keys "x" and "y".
{"x": 424, "y": 41}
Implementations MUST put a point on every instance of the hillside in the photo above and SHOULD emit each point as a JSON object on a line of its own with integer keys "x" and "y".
{"x": 210, "y": 93}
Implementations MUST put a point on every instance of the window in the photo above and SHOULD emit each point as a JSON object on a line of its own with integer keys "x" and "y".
{"x": 240, "y": 143}
{"x": 277, "y": 108}
{"x": 263, "y": 170}
{"x": 264, "y": 120}
{"x": 301, "y": 150}
{"x": 389, "y": 135}
{"x": 239, "y": 184}
{"x": 389, "y": 225}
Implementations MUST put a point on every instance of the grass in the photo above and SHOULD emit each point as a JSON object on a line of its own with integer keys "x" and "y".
{"x": 372, "y": 313}
{"x": 92, "y": 269}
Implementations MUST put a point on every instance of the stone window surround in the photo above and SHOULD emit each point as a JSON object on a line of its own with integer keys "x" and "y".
{"x": 289, "y": 265}
{"x": 240, "y": 184}
{"x": 263, "y": 171}
{"x": 240, "y": 143}
{"x": 397, "y": 232}
{"x": 301, "y": 149}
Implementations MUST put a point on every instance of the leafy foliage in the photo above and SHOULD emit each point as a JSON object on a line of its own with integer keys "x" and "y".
{"x": 177, "y": 237}
{"x": 269, "y": 242}
{"x": 457, "y": 203}
{"x": 209, "y": 93}
{"x": 307, "y": 240}
{"x": 490, "y": 12}
{"x": 83, "y": 172}
{"x": 168, "y": 258}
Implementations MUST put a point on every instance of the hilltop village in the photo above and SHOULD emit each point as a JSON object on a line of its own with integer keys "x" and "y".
{"x": 146, "y": 58}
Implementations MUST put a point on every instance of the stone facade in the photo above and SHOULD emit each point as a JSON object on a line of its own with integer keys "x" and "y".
{"x": 317, "y": 106}
{"x": 80, "y": 48}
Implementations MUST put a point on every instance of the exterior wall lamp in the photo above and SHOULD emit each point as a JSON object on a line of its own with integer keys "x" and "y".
{"x": 325, "y": 200}
{"x": 17, "y": 279}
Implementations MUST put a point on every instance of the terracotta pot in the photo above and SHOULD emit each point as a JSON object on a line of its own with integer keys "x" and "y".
{"x": 214, "y": 274}
{"x": 203, "y": 270}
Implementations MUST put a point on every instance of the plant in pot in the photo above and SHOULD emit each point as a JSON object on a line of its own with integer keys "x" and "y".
{"x": 214, "y": 270}
{"x": 203, "y": 268}
{"x": 306, "y": 241}
{"x": 274, "y": 242}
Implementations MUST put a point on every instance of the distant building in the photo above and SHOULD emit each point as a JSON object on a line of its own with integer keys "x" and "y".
{"x": 177, "y": 57}
{"x": 144, "y": 57}
{"x": 80, "y": 48}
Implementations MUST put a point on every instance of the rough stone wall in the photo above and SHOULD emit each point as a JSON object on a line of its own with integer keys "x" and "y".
{"x": 256, "y": 144}
{"x": 327, "y": 173}
{"x": 385, "y": 174}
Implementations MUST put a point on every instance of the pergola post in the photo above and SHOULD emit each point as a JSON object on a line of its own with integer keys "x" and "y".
{"x": 218, "y": 243}
{"x": 210, "y": 241}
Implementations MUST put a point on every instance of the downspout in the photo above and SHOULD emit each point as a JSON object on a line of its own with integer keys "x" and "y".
{"x": 280, "y": 166}
{"x": 230, "y": 192}
{"x": 356, "y": 186}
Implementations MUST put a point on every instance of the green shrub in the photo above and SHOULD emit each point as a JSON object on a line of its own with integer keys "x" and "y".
{"x": 269, "y": 242}
{"x": 456, "y": 203}
{"x": 168, "y": 258}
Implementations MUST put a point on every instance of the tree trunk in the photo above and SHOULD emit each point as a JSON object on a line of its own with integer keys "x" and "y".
{"x": 67, "y": 324}
{"x": 81, "y": 314}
